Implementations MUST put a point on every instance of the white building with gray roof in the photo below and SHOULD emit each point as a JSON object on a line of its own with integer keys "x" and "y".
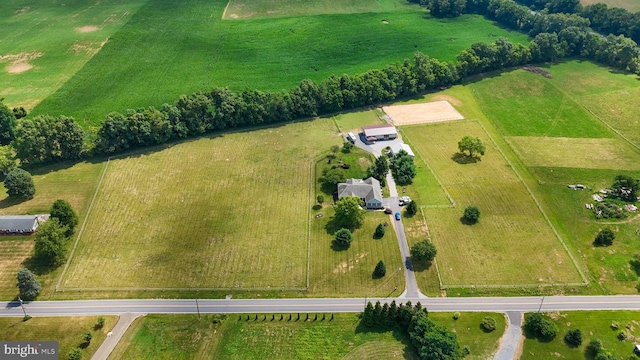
{"x": 367, "y": 190}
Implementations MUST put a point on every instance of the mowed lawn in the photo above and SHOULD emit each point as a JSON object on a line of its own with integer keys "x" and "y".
{"x": 171, "y": 48}
{"x": 594, "y": 325}
{"x": 228, "y": 211}
{"x": 512, "y": 232}
{"x": 242, "y": 9}
{"x": 43, "y": 43}
{"x": 67, "y": 331}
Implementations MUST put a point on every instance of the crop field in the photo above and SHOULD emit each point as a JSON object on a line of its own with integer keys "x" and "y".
{"x": 170, "y": 48}
{"x": 243, "y": 9}
{"x": 217, "y": 212}
{"x": 631, "y": 5}
{"x": 68, "y": 331}
{"x": 594, "y": 325}
{"x": 576, "y": 152}
{"x": 548, "y": 110}
{"x": 43, "y": 43}
{"x": 511, "y": 223}
{"x": 183, "y": 337}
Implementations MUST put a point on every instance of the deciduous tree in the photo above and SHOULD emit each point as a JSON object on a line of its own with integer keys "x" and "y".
{"x": 404, "y": 170}
{"x": 65, "y": 214}
{"x": 573, "y": 337}
{"x": 344, "y": 237}
{"x": 19, "y": 184}
{"x": 473, "y": 145}
{"x": 605, "y": 237}
{"x": 349, "y": 212}
{"x": 625, "y": 187}
{"x": 412, "y": 208}
{"x": 51, "y": 243}
{"x": 7, "y": 124}
{"x": 471, "y": 214}
{"x": 423, "y": 251}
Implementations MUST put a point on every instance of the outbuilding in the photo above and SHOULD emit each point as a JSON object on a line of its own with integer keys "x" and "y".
{"x": 396, "y": 148}
{"x": 380, "y": 132}
{"x": 18, "y": 224}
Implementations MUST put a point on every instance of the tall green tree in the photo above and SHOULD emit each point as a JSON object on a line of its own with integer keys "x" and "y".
{"x": 412, "y": 208}
{"x": 51, "y": 243}
{"x": 343, "y": 237}
{"x": 626, "y": 188}
{"x": 433, "y": 342}
{"x": 65, "y": 214}
{"x": 380, "y": 269}
{"x": 471, "y": 214}
{"x": 47, "y": 139}
{"x": 404, "y": 169}
{"x": 605, "y": 237}
{"x": 7, "y": 124}
{"x": 423, "y": 251}
{"x": 8, "y": 160}
{"x": 28, "y": 285}
{"x": 473, "y": 145}
{"x": 19, "y": 184}
{"x": 349, "y": 212}
{"x": 379, "y": 169}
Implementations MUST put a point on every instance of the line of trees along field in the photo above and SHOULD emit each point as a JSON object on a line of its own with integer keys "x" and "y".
{"x": 47, "y": 139}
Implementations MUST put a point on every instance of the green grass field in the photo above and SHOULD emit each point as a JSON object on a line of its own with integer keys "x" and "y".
{"x": 483, "y": 254}
{"x": 594, "y": 325}
{"x": 631, "y": 5}
{"x": 216, "y": 212}
{"x": 13, "y": 252}
{"x": 167, "y": 49}
{"x": 44, "y": 43}
{"x": 183, "y": 337}
{"x": 521, "y": 103}
{"x": 576, "y": 152}
{"x": 66, "y": 330}
{"x": 242, "y": 9}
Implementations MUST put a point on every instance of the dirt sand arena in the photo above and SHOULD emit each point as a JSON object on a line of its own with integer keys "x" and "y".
{"x": 422, "y": 113}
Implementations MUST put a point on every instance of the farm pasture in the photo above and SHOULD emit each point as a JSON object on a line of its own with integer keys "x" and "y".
{"x": 511, "y": 223}
{"x": 215, "y": 212}
{"x": 619, "y": 109}
{"x": 575, "y": 152}
{"x": 44, "y": 43}
{"x": 243, "y": 9}
{"x": 12, "y": 253}
{"x": 521, "y": 103}
{"x": 355, "y": 120}
{"x": 171, "y": 48}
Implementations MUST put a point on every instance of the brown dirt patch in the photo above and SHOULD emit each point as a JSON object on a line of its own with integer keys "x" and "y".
{"x": 436, "y": 111}
{"x": 19, "y": 63}
{"x": 87, "y": 29}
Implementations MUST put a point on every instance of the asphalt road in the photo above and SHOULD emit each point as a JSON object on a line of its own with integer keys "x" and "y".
{"x": 493, "y": 304}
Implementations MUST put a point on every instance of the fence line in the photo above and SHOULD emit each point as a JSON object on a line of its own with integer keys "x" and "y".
{"x": 84, "y": 223}
{"x": 182, "y": 289}
{"x": 553, "y": 228}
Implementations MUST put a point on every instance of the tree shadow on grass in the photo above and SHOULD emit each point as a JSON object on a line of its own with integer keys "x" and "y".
{"x": 419, "y": 266}
{"x": 11, "y": 201}
{"x": 338, "y": 246}
{"x": 465, "y": 221}
{"x": 464, "y": 159}
{"x": 37, "y": 266}
{"x": 332, "y": 226}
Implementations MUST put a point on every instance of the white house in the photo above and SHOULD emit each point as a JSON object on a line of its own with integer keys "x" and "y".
{"x": 368, "y": 191}
{"x": 396, "y": 148}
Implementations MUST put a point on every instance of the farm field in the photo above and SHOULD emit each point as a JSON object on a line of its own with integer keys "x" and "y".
{"x": 182, "y": 337}
{"x": 481, "y": 254}
{"x": 242, "y": 9}
{"x": 568, "y": 157}
{"x": 68, "y": 331}
{"x": 145, "y": 62}
{"x": 224, "y": 199}
{"x": 44, "y": 43}
{"x": 631, "y": 5}
{"x": 594, "y": 325}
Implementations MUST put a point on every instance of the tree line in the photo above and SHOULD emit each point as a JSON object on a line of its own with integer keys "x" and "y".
{"x": 48, "y": 139}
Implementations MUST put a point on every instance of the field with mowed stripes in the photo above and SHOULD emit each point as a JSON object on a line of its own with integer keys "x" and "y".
{"x": 218, "y": 212}
{"x": 491, "y": 251}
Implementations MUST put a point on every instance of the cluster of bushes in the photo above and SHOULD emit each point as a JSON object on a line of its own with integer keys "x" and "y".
{"x": 430, "y": 340}
{"x": 76, "y": 353}
{"x": 540, "y": 326}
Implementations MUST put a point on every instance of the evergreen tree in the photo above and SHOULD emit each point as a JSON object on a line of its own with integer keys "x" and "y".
{"x": 379, "y": 231}
{"x": 377, "y": 314}
{"x": 380, "y": 270}
{"x": 28, "y": 285}
{"x": 367, "y": 315}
